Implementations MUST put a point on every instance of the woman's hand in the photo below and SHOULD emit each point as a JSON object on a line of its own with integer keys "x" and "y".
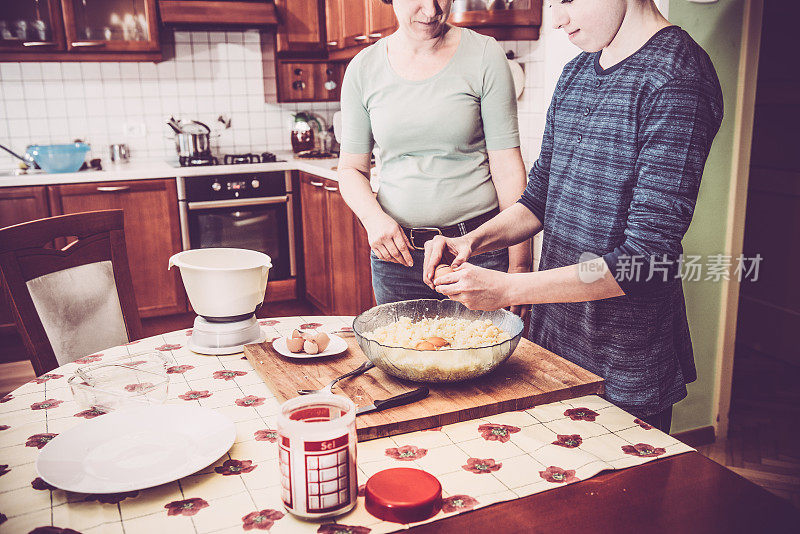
{"x": 451, "y": 250}
{"x": 387, "y": 240}
{"x": 475, "y": 287}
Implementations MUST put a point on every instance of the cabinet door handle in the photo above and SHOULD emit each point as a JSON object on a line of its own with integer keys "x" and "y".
{"x": 333, "y": 43}
{"x": 331, "y": 189}
{"x": 38, "y": 43}
{"x": 78, "y": 44}
{"x": 376, "y": 35}
{"x": 360, "y": 38}
{"x": 113, "y": 188}
{"x": 298, "y": 85}
{"x": 316, "y": 184}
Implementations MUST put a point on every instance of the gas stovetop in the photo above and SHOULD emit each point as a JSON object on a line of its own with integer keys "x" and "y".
{"x": 227, "y": 159}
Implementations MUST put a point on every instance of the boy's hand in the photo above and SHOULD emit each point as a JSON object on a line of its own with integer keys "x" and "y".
{"x": 448, "y": 250}
{"x": 475, "y": 287}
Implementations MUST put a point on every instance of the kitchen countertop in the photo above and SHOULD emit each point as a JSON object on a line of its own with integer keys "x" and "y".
{"x": 142, "y": 170}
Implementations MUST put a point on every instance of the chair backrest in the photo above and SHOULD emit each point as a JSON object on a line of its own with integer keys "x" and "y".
{"x": 73, "y": 301}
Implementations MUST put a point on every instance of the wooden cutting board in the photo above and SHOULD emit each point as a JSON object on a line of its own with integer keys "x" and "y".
{"x": 531, "y": 376}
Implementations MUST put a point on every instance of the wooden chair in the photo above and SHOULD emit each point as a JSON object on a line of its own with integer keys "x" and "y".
{"x": 73, "y": 301}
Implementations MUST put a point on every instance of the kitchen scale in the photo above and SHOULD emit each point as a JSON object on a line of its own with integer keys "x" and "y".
{"x": 219, "y": 338}
{"x": 225, "y": 287}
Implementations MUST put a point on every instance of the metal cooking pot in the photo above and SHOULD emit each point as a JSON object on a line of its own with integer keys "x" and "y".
{"x": 193, "y": 139}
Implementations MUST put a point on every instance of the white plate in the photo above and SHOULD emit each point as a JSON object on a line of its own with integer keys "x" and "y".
{"x": 135, "y": 449}
{"x": 336, "y": 346}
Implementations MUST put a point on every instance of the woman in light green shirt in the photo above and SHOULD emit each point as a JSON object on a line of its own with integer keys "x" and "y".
{"x": 439, "y": 104}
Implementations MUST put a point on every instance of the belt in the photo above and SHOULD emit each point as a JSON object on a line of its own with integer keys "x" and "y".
{"x": 420, "y": 234}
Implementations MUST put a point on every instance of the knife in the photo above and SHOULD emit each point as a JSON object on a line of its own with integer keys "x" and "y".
{"x": 397, "y": 400}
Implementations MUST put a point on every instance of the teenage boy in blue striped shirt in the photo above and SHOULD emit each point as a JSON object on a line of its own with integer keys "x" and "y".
{"x": 627, "y": 135}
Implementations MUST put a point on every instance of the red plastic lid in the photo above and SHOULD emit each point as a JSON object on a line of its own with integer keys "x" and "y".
{"x": 403, "y": 495}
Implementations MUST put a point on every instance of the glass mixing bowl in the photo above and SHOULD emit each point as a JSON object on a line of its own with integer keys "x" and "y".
{"x": 443, "y": 365}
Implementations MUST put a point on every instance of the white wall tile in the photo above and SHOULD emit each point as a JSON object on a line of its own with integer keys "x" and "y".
{"x": 211, "y": 73}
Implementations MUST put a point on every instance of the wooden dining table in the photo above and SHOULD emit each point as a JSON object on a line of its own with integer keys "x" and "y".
{"x": 572, "y": 465}
{"x": 682, "y": 494}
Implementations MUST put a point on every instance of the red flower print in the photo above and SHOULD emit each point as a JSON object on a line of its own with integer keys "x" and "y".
{"x": 581, "y": 414}
{"x": 458, "y": 503}
{"x": 235, "y": 467}
{"x": 558, "y": 475}
{"x": 39, "y": 484}
{"x": 250, "y": 400}
{"x": 189, "y": 332}
{"x": 179, "y": 369}
{"x": 569, "y": 441}
{"x": 266, "y": 435}
{"x": 310, "y": 326}
{"x": 91, "y": 413}
{"x": 187, "y": 507}
{"x": 406, "y": 453}
{"x": 46, "y": 404}
{"x": 337, "y": 528}
{"x": 53, "y": 530}
{"x": 140, "y": 387}
{"x": 137, "y": 362}
{"x": 228, "y": 375}
{"x": 89, "y": 359}
{"x": 262, "y": 519}
{"x": 480, "y": 466}
{"x": 4, "y": 427}
{"x": 268, "y": 322}
{"x": 168, "y": 347}
{"x": 4, "y": 469}
{"x": 7, "y": 398}
{"x": 346, "y": 329}
{"x": 45, "y": 377}
{"x": 643, "y": 450}
{"x": 39, "y": 440}
{"x": 111, "y": 498}
{"x": 643, "y": 424}
{"x": 194, "y": 395}
{"x": 493, "y": 432}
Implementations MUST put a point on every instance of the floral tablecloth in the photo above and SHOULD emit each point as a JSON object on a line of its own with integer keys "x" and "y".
{"x": 478, "y": 462}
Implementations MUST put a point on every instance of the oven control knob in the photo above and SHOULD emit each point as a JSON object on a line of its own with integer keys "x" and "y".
{"x": 255, "y": 184}
{"x": 216, "y": 186}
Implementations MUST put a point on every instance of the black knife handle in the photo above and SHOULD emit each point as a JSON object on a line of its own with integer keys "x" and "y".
{"x": 405, "y": 398}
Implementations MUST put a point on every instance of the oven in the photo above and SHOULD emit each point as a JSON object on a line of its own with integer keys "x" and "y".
{"x": 241, "y": 210}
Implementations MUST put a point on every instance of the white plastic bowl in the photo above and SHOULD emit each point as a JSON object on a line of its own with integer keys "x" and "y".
{"x": 223, "y": 282}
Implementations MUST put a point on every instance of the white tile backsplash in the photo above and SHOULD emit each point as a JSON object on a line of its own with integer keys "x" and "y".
{"x": 212, "y": 73}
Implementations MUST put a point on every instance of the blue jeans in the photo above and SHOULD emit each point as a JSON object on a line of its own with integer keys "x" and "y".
{"x": 393, "y": 282}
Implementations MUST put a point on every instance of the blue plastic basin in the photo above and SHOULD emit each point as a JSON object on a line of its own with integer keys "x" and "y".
{"x": 59, "y": 158}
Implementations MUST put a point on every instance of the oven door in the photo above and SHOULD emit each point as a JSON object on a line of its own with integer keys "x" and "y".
{"x": 261, "y": 224}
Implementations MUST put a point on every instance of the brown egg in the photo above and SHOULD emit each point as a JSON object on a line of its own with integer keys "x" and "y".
{"x": 322, "y": 340}
{"x": 294, "y": 344}
{"x": 310, "y": 347}
{"x": 437, "y": 341}
{"x": 297, "y": 334}
{"x": 442, "y": 270}
{"x": 424, "y": 345}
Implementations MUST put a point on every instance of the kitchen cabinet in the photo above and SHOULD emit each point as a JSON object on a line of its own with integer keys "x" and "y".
{"x": 335, "y": 250}
{"x": 301, "y": 27}
{"x": 18, "y": 205}
{"x": 308, "y": 81}
{"x": 244, "y": 13}
{"x": 354, "y": 22}
{"x": 77, "y": 30}
{"x": 521, "y": 22}
{"x": 152, "y": 234}
{"x": 380, "y": 19}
